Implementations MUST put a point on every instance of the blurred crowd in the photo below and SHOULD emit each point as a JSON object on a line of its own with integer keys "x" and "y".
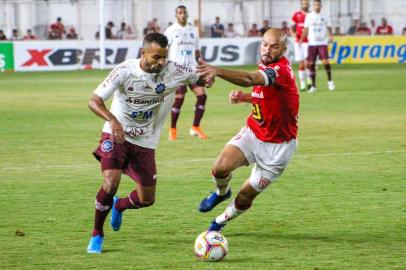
{"x": 57, "y": 30}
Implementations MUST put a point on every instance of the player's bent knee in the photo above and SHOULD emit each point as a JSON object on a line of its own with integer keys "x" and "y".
{"x": 110, "y": 185}
{"x": 220, "y": 170}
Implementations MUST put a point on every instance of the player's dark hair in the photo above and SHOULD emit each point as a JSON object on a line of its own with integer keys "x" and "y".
{"x": 180, "y": 6}
{"x": 156, "y": 38}
{"x": 317, "y": 1}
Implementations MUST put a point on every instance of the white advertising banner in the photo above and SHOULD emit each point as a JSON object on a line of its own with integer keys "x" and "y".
{"x": 74, "y": 55}
{"x": 70, "y": 55}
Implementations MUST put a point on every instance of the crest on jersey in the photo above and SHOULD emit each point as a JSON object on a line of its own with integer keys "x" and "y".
{"x": 160, "y": 87}
{"x": 107, "y": 146}
{"x": 264, "y": 182}
{"x": 192, "y": 35}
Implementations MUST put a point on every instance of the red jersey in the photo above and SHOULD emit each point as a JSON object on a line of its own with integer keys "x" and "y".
{"x": 384, "y": 30}
{"x": 275, "y": 107}
{"x": 298, "y": 20}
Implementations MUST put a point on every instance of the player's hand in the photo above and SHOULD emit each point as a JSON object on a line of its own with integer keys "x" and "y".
{"x": 206, "y": 70}
{"x": 235, "y": 96}
{"x": 117, "y": 131}
{"x": 208, "y": 81}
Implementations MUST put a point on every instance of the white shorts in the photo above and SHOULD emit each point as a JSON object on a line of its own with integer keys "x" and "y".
{"x": 300, "y": 51}
{"x": 270, "y": 159}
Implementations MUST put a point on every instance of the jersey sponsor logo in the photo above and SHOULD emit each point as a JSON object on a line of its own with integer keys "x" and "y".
{"x": 182, "y": 67}
{"x": 136, "y": 131}
{"x": 264, "y": 182}
{"x": 107, "y": 146}
{"x": 142, "y": 115}
{"x": 66, "y": 57}
{"x": 271, "y": 73}
{"x": 160, "y": 88}
{"x": 144, "y": 101}
{"x": 186, "y": 52}
{"x": 257, "y": 95}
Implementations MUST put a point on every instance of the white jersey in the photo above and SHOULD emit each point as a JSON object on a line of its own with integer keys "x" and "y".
{"x": 317, "y": 25}
{"x": 183, "y": 43}
{"x": 143, "y": 100}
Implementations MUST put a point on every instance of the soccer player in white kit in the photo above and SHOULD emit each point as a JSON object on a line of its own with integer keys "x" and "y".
{"x": 184, "y": 49}
{"x": 144, "y": 91}
{"x": 319, "y": 33}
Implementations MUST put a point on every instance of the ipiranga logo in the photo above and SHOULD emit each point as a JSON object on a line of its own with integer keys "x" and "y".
{"x": 383, "y": 49}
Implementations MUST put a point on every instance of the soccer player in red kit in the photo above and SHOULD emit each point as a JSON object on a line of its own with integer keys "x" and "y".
{"x": 269, "y": 138}
{"x": 298, "y": 20}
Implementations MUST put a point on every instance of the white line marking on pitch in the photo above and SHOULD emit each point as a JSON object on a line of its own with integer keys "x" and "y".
{"x": 63, "y": 166}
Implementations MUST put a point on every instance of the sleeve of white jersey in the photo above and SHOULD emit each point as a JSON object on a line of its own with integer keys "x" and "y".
{"x": 168, "y": 35}
{"x": 307, "y": 21}
{"x": 107, "y": 88}
{"x": 197, "y": 45}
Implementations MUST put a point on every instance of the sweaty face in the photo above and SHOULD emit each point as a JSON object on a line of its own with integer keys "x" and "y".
{"x": 305, "y": 5}
{"x": 317, "y": 6}
{"x": 272, "y": 48}
{"x": 182, "y": 16}
{"x": 153, "y": 58}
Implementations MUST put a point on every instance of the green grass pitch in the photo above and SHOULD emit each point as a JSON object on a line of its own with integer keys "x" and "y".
{"x": 341, "y": 203}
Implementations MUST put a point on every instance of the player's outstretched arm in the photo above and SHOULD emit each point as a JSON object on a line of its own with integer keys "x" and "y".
{"x": 96, "y": 105}
{"x": 241, "y": 78}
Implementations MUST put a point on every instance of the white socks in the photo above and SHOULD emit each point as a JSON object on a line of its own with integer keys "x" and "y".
{"x": 230, "y": 213}
{"x": 222, "y": 184}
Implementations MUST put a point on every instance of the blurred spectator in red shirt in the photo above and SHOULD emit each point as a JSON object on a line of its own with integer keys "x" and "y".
{"x": 72, "y": 34}
{"x": 384, "y": 28}
{"x": 265, "y": 27}
{"x": 54, "y": 32}
{"x": 2, "y": 35}
{"x": 363, "y": 30}
{"x": 58, "y": 28}
{"x": 29, "y": 35}
{"x": 254, "y": 31}
{"x": 285, "y": 28}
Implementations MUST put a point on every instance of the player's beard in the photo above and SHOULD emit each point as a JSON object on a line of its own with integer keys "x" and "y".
{"x": 267, "y": 59}
{"x": 153, "y": 69}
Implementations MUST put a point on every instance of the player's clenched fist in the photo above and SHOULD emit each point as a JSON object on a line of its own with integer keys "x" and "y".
{"x": 235, "y": 96}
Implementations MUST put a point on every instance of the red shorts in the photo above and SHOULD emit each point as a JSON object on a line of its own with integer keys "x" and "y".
{"x": 136, "y": 161}
{"x": 314, "y": 51}
{"x": 183, "y": 89}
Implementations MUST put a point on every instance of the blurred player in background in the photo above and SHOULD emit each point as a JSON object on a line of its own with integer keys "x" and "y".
{"x": 144, "y": 91}
{"x": 269, "y": 137}
{"x": 184, "y": 49}
{"x": 317, "y": 29}
{"x": 298, "y": 20}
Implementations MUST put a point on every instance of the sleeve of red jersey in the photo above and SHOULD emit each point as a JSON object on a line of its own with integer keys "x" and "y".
{"x": 294, "y": 19}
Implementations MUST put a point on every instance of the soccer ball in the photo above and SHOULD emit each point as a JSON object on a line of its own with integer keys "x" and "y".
{"x": 211, "y": 246}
